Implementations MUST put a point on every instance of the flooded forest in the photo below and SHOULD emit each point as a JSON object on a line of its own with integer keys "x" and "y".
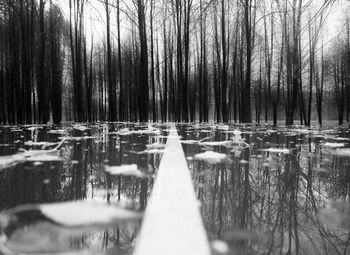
{"x": 102, "y": 100}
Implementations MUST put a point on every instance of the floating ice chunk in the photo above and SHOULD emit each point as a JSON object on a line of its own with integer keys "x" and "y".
{"x": 11, "y": 160}
{"x": 211, "y": 157}
{"x": 220, "y": 143}
{"x": 77, "y": 214}
{"x": 76, "y": 138}
{"x": 80, "y": 128}
{"x": 244, "y": 162}
{"x": 344, "y": 152}
{"x": 152, "y": 151}
{"x": 29, "y": 156}
{"x": 190, "y": 141}
{"x": 127, "y": 170}
{"x": 126, "y": 131}
{"x": 333, "y": 145}
{"x": 302, "y": 131}
{"x": 237, "y": 132}
{"x": 340, "y": 138}
{"x": 33, "y": 128}
{"x": 57, "y": 131}
{"x": 205, "y": 131}
{"x": 123, "y": 131}
{"x": 194, "y": 141}
{"x": 42, "y": 155}
{"x": 223, "y": 127}
{"x": 220, "y": 247}
{"x": 42, "y": 144}
{"x": 276, "y": 150}
{"x": 271, "y": 131}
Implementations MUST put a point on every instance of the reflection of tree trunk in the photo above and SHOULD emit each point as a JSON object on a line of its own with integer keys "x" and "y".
{"x": 233, "y": 179}
{"x": 295, "y": 220}
{"x": 290, "y": 234}
{"x": 78, "y": 174}
{"x": 292, "y": 186}
{"x": 309, "y": 181}
{"x": 109, "y": 187}
{"x": 279, "y": 217}
{"x": 143, "y": 194}
{"x": 282, "y": 195}
{"x": 245, "y": 203}
{"x": 214, "y": 196}
{"x": 221, "y": 199}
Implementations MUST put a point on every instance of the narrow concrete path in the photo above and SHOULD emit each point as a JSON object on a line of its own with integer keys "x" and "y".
{"x": 172, "y": 223}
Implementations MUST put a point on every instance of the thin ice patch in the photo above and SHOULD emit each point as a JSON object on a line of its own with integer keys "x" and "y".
{"x": 276, "y": 150}
{"x": 344, "y": 152}
{"x": 127, "y": 170}
{"x": 79, "y": 213}
{"x": 211, "y": 157}
{"x": 220, "y": 143}
{"x": 80, "y": 128}
{"x": 11, "y": 160}
{"x": 333, "y": 145}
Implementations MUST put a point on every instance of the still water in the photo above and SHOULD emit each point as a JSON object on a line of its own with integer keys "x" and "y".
{"x": 262, "y": 190}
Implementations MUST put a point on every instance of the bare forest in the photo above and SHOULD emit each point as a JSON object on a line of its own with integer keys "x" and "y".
{"x": 174, "y": 60}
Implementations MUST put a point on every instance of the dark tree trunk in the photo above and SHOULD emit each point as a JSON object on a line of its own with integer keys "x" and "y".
{"x": 143, "y": 93}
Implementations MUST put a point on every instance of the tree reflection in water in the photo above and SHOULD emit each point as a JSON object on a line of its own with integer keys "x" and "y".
{"x": 262, "y": 202}
{"x": 81, "y": 176}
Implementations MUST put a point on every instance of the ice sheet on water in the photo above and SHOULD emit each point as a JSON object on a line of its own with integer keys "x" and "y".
{"x": 57, "y": 131}
{"x": 152, "y": 151}
{"x": 211, "y": 157}
{"x": 126, "y": 131}
{"x": 339, "y": 138}
{"x": 42, "y": 155}
{"x": 302, "y": 131}
{"x": 127, "y": 170}
{"x": 343, "y": 152}
{"x": 48, "y": 228}
{"x": 76, "y": 138}
{"x": 219, "y": 143}
{"x": 45, "y": 158}
{"x": 11, "y": 160}
{"x": 190, "y": 141}
{"x": 70, "y": 214}
{"x": 205, "y": 131}
{"x": 76, "y": 214}
{"x": 220, "y": 247}
{"x": 29, "y": 156}
{"x": 223, "y": 127}
{"x": 194, "y": 141}
{"x": 41, "y": 144}
{"x": 34, "y": 128}
{"x": 276, "y": 150}
{"x": 333, "y": 145}
{"x": 43, "y": 238}
{"x": 80, "y": 128}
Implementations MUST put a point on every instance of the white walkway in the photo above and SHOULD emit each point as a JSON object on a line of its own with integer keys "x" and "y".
{"x": 172, "y": 223}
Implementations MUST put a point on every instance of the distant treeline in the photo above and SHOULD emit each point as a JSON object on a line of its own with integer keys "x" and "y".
{"x": 178, "y": 60}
